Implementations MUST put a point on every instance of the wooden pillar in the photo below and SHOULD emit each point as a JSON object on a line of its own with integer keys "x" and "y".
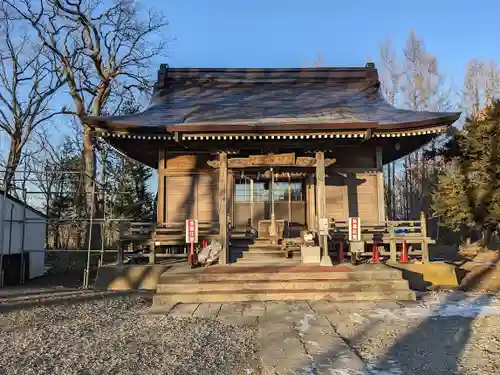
{"x": 160, "y": 204}
{"x": 423, "y": 231}
{"x": 251, "y": 203}
{"x": 223, "y": 208}
{"x": 311, "y": 203}
{"x": 230, "y": 196}
{"x": 289, "y": 206}
{"x": 152, "y": 252}
{"x": 321, "y": 204}
{"x": 380, "y": 186}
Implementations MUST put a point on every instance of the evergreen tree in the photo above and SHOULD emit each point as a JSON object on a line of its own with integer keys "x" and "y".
{"x": 132, "y": 199}
{"x": 127, "y": 181}
{"x": 468, "y": 190}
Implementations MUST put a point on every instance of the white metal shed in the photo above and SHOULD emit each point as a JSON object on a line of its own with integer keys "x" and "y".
{"x": 22, "y": 240}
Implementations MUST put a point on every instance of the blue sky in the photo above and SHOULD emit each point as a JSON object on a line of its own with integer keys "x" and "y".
{"x": 280, "y": 33}
{"x": 290, "y": 33}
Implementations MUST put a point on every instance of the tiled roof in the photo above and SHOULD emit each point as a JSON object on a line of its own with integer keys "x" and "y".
{"x": 258, "y": 97}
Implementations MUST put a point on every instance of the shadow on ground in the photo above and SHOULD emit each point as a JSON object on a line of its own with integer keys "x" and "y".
{"x": 432, "y": 347}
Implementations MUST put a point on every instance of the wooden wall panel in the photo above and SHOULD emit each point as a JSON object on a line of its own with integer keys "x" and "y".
{"x": 183, "y": 162}
{"x": 181, "y": 198}
{"x": 336, "y": 197}
{"x": 367, "y": 196}
{"x": 207, "y": 192}
{"x": 350, "y": 194}
{"x": 192, "y": 188}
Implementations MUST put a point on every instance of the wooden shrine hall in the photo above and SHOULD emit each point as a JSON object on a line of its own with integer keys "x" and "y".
{"x": 271, "y": 149}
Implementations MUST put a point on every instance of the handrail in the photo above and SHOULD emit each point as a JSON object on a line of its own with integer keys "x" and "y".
{"x": 388, "y": 226}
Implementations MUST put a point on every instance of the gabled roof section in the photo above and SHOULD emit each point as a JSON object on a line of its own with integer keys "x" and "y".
{"x": 21, "y": 203}
{"x": 221, "y": 100}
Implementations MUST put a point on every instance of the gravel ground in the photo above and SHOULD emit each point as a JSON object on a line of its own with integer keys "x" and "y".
{"x": 397, "y": 344}
{"x": 115, "y": 336}
{"x": 69, "y": 333}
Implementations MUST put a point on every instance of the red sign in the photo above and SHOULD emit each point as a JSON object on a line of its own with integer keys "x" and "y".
{"x": 354, "y": 229}
{"x": 191, "y": 231}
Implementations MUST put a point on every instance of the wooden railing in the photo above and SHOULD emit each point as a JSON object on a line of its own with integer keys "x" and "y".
{"x": 391, "y": 233}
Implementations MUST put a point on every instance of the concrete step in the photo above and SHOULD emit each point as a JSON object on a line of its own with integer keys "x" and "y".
{"x": 239, "y": 246}
{"x": 265, "y": 246}
{"x": 252, "y": 272}
{"x": 263, "y": 250}
{"x": 264, "y": 240}
{"x": 263, "y": 254}
{"x": 297, "y": 285}
{"x": 280, "y": 295}
{"x": 260, "y": 261}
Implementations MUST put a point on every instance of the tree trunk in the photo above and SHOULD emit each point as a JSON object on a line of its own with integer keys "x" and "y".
{"x": 486, "y": 236}
{"x": 12, "y": 162}
{"x": 90, "y": 188}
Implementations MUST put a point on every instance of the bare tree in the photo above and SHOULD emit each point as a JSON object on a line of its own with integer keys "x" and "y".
{"x": 104, "y": 54}
{"x": 27, "y": 84}
{"x": 481, "y": 86}
{"x": 390, "y": 76}
{"x": 319, "y": 60}
{"x": 58, "y": 176}
{"x": 411, "y": 80}
{"x": 423, "y": 88}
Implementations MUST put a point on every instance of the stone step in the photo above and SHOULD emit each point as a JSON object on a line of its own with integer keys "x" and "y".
{"x": 265, "y": 246}
{"x": 264, "y": 240}
{"x": 238, "y": 246}
{"x": 297, "y": 285}
{"x": 263, "y": 254}
{"x": 255, "y": 249}
{"x": 253, "y": 273}
{"x": 280, "y": 295}
{"x": 260, "y": 261}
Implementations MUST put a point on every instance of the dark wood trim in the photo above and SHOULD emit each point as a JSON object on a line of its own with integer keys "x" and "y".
{"x": 223, "y": 208}
{"x": 262, "y": 128}
{"x": 445, "y": 120}
{"x": 218, "y": 128}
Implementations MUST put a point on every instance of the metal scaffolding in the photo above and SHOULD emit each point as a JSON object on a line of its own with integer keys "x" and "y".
{"x": 29, "y": 197}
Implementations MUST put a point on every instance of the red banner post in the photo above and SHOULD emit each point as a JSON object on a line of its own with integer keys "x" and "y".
{"x": 341, "y": 252}
{"x": 404, "y": 253}
{"x": 375, "y": 253}
{"x": 192, "y": 238}
{"x": 192, "y": 255}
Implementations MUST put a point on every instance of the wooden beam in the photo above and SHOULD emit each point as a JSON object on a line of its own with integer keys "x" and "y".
{"x": 160, "y": 204}
{"x": 321, "y": 203}
{"x": 311, "y": 202}
{"x": 272, "y": 160}
{"x": 251, "y": 202}
{"x": 230, "y": 194}
{"x": 223, "y": 208}
{"x": 423, "y": 231}
{"x": 289, "y": 205}
{"x": 380, "y": 186}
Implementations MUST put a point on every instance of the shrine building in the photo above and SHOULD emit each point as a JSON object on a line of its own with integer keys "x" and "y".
{"x": 239, "y": 148}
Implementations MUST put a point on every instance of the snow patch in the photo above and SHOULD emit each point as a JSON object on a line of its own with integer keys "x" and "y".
{"x": 372, "y": 368}
{"x": 466, "y": 308}
{"x": 304, "y": 323}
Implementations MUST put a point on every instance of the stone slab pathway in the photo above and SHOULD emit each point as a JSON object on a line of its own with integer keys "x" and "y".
{"x": 308, "y": 337}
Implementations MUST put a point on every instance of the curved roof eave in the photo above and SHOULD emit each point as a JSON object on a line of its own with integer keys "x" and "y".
{"x": 224, "y": 100}
{"x": 444, "y": 119}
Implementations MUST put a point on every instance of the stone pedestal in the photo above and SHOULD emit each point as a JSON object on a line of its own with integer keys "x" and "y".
{"x": 310, "y": 254}
{"x": 326, "y": 260}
